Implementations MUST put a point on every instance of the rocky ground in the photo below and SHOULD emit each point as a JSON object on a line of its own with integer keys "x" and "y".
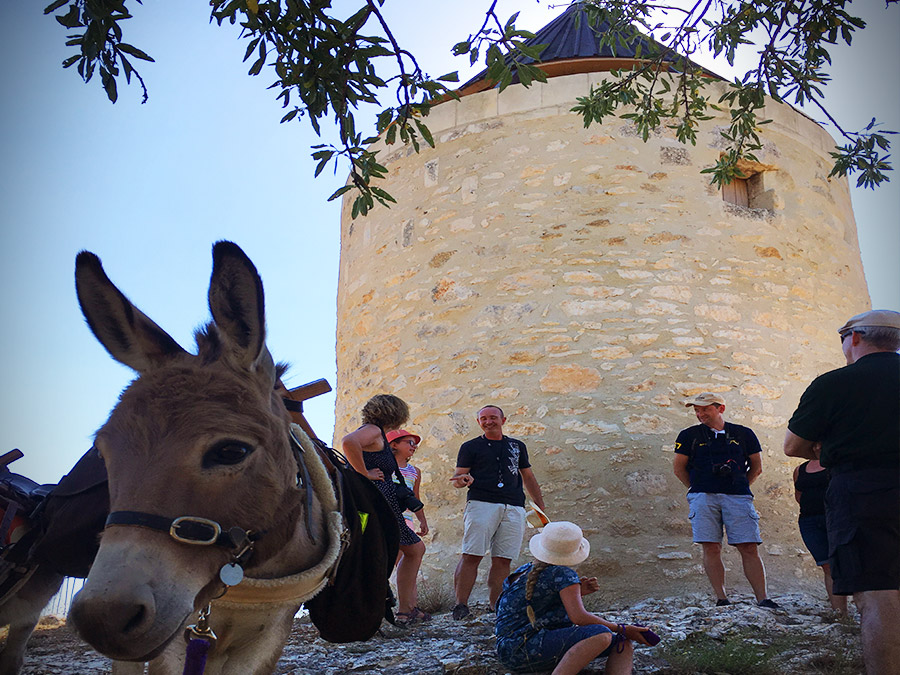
{"x": 803, "y": 639}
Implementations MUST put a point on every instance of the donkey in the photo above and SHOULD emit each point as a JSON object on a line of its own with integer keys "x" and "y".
{"x": 20, "y": 609}
{"x": 204, "y": 487}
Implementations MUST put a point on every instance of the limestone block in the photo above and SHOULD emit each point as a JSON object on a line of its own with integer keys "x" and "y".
{"x": 674, "y": 555}
{"x": 658, "y": 308}
{"x": 647, "y": 424}
{"x": 589, "y": 427}
{"x": 611, "y": 352}
{"x": 596, "y": 291}
{"x": 643, "y": 483}
{"x": 477, "y": 107}
{"x": 643, "y": 339}
{"x": 587, "y": 307}
{"x": 441, "y": 117}
{"x": 563, "y": 91}
{"x": 756, "y": 389}
{"x": 633, "y": 275}
{"x": 674, "y": 293}
{"x": 718, "y": 313}
{"x": 565, "y": 379}
{"x": 518, "y": 98}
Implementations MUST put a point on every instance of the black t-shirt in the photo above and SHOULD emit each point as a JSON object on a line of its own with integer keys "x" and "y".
{"x": 495, "y": 466}
{"x": 854, "y": 411}
{"x": 718, "y": 462}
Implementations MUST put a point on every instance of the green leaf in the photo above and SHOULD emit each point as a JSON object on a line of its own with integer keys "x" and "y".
{"x": 109, "y": 85}
{"x": 70, "y": 19}
{"x": 337, "y": 193}
{"x": 52, "y": 7}
{"x": 134, "y": 51}
{"x": 257, "y": 65}
{"x": 425, "y": 131}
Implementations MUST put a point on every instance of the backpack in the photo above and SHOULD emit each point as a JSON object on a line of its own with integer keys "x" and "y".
{"x": 358, "y": 595}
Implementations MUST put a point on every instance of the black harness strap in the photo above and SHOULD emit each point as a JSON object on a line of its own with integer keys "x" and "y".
{"x": 186, "y": 529}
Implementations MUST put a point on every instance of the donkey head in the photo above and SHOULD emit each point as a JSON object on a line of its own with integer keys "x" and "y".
{"x": 203, "y": 436}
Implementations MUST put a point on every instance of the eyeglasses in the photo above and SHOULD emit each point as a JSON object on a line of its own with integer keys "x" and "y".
{"x": 411, "y": 441}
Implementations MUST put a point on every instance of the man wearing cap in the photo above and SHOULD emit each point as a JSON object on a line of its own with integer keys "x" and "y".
{"x": 495, "y": 468}
{"x": 717, "y": 461}
{"x": 853, "y": 412}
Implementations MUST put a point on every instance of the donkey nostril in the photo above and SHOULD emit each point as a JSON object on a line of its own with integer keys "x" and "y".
{"x": 135, "y": 621}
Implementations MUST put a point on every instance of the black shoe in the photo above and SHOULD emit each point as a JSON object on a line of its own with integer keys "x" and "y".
{"x": 460, "y": 612}
{"x": 722, "y": 602}
{"x": 769, "y": 604}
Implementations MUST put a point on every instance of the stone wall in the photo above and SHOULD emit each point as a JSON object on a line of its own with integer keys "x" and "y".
{"x": 586, "y": 282}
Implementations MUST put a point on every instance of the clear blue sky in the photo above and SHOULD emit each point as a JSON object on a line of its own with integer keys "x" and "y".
{"x": 150, "y": 187}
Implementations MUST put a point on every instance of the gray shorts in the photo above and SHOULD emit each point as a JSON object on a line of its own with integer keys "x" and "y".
{"x": 497, "y": 529}
{"x": 711, "y": 510}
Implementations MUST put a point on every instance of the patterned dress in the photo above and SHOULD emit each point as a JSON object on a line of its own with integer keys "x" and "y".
{"x": 521, "y": 646}
{"x": 384, "y": 460}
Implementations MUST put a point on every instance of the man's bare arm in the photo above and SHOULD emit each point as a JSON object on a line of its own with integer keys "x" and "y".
{"x": 755, "y": 467}
{"x": 795, "y": 446}
{"x": 532, "y": 487}
{"x": 681, "y": 470}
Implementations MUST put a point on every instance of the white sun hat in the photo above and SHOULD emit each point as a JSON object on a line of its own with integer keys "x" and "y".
{"x": 560, "y": 543}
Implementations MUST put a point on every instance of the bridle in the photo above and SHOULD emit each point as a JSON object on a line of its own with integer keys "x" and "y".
{"x": 239, "y": 542}
{"x": 197, "y": 531}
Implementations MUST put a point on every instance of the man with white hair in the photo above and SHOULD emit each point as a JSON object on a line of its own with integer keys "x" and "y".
{"x": 854, "y": 413}
{"x": 495, "y": 469}
{"x": 717, "y": 461}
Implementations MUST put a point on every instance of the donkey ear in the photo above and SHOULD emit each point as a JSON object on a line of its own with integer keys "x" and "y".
{"x": 127, "y": 333}
{"x": 237, "y": 304}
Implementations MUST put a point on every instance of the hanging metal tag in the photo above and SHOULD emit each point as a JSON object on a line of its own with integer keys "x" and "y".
{"x": 231, "y": 574}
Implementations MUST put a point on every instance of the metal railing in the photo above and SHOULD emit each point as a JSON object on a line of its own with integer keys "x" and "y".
{"x": 59, "y": 604}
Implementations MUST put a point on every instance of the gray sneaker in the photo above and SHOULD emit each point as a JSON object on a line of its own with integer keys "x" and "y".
{"x": 460, "y": 612}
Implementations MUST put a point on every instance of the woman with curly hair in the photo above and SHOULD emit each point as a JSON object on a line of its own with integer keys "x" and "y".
{"x": 541, "y": 621}
{"x": 368, "y": 451}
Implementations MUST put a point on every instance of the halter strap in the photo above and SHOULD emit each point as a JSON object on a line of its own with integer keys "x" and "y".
{"x": 185, "y": 529}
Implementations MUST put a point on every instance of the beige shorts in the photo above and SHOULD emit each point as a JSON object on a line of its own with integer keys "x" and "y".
{"x": 497, "y": 529}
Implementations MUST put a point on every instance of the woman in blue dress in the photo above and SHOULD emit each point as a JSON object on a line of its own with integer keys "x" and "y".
{"x": 541, "y": 621}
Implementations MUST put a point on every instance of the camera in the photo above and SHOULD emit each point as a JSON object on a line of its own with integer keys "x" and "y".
{"x": 723, "y": 470}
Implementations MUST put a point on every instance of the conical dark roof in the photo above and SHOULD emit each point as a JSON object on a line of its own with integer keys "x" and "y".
{"x": 570, "y": 36}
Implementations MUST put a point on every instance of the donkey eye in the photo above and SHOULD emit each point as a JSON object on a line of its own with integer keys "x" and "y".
{"x": 227, "y": 453}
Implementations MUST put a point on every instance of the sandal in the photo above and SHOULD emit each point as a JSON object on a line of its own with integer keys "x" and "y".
{"x": 413, "y": 617}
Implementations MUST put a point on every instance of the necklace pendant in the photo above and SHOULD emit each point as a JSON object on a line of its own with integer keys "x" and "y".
{"x": 500, "y": 484}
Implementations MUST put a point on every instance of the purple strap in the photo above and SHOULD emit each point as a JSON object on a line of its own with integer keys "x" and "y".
{"x": 195, "y": 660}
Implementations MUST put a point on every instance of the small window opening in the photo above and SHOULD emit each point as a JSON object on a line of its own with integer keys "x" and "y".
{"x": 750, "y": 191}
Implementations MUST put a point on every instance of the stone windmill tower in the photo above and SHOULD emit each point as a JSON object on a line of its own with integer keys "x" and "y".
{"x": 586, "y": 282}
